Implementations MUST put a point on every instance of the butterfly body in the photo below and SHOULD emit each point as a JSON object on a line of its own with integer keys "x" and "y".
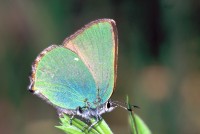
{"x": 78, "y": 77}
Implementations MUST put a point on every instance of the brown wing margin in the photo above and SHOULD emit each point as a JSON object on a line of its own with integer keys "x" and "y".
{"x": 115, "y": 35}
{"x": 34, "y": 67}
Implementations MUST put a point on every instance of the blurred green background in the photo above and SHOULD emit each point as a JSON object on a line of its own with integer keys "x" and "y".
{"x": 159, "y": 60}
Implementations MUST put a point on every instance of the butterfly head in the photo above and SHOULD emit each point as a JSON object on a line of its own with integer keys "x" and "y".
{"x": 106, "y": 107}
{"x": 109, "y": 106}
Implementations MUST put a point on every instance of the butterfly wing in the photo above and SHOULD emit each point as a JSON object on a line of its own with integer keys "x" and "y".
{"x": 96, "y": 45}
{"x": 61, "y": 77}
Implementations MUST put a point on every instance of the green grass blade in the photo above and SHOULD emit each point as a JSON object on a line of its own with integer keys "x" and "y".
{"x": 79, "y": 127}
{"x": 137, "y": 124}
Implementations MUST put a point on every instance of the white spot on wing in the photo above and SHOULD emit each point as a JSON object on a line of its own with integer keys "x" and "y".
{"x": 76, "y": 59}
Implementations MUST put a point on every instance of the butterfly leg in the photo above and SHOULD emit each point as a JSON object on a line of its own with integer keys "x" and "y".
{"x": 98, "y": 119}
{"x": 70, "y": 121}
{"x": 60, "y": 112}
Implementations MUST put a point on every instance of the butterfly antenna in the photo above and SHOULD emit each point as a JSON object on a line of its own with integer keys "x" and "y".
{"x": 121, "y": 104}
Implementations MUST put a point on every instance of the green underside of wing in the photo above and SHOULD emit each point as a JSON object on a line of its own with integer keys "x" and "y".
{"x": 96, "y": 48}
{"x": 64, "y": 79}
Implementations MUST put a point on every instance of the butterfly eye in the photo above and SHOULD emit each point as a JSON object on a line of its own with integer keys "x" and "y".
{"x": 108, "y": 105}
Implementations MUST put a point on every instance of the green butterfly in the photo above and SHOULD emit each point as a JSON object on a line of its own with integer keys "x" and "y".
{"x": 79, "y": 77}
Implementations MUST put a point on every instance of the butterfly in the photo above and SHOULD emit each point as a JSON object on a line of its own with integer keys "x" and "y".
{"x": 79, "y": 76}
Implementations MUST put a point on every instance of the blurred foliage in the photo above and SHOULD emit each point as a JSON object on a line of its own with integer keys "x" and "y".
{"x": 159, "y": 66}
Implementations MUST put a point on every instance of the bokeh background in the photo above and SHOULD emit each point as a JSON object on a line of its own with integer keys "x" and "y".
{"x": 159, "y": 60}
